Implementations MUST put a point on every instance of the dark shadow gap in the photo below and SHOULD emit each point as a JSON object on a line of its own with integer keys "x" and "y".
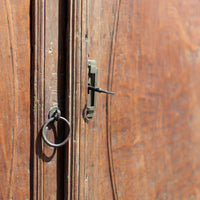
{"x": 62, "y": 89}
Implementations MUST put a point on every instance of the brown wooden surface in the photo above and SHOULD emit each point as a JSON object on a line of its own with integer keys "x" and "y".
{"x": 143, "y": 142}
{"x": 14, "y": 99}
{"x": 29, "y": 169}
{"x": 77, "y": 62}
{"x": 156, "y": 143}
{"x": 49, "y": 90}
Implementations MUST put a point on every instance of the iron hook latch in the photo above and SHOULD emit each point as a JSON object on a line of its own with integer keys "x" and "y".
{"x": 96, "y": 89}
{"x": 92, "y": 88}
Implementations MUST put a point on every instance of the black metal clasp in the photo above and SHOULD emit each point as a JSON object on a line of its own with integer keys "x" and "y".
{"x": 92, "y": 88}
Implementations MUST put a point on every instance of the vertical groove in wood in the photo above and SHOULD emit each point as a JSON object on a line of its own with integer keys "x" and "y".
{"x": 76, "y": 99}
{"x": 14, "y": 100}
{"x": 79, "y": 69}
{"x": 38, "y": 171}
{"x": 73, "y": 100}
{"x": 108, "y": 101}
{"x": 68, "y": 163}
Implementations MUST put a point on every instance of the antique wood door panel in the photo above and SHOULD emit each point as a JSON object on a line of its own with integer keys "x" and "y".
{"x": 15, "y": 99}
{"x": 143, "y": 142}
{"x": 32, "y": 81}
{"x": 34, "y": 78}
{"x": 49, "y": 170}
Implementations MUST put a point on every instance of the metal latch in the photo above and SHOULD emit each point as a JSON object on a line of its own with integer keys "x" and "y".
{"x": 92, "y": 88}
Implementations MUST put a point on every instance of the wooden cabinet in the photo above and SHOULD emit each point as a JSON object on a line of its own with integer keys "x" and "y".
{"x": 142, "y": 142}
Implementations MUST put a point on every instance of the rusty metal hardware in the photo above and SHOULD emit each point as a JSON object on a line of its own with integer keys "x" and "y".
{"x": 55, "y": 115}
{"x": 92, "y": 88}
{"x": 96, "y": 89}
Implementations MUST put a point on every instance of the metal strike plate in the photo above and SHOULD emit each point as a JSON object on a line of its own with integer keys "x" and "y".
{"x": 92, "y": 81}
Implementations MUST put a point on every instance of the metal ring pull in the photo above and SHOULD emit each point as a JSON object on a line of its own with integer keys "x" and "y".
{"x": 57, "y": 117}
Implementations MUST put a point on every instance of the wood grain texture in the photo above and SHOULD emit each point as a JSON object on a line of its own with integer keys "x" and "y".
{"x": 15, "y": 99}
{"x": 153, "y": 120}
{"x": 155, "y": 147}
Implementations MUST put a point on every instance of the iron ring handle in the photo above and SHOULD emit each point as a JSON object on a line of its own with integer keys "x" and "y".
{"x": 44, "y": 135}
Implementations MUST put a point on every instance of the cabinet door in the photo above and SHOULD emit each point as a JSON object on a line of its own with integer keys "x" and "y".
{"x": 50, "y": 89}
{"x": 34, "y": 78}
{"x": 143, "y": 142}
